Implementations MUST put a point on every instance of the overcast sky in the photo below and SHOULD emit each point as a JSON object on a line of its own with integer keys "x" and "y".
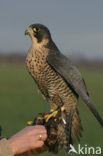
{"x": 76, "y": 25}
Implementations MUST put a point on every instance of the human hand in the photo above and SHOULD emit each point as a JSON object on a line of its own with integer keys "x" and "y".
{"x": 27, "y": 139}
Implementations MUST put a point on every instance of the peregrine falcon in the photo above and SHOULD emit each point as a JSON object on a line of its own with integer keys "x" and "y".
{"x": 60, "y": 82}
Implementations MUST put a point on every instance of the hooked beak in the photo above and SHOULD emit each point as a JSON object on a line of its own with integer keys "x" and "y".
{"x": 26, "y": 32}
{"x": 29, "y": 31}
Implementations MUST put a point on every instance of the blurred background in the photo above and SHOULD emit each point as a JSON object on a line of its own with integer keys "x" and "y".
{"x": 77, "y": 29}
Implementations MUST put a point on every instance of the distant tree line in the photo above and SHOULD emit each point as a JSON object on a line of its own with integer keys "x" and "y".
{"x": 19, "y": 58}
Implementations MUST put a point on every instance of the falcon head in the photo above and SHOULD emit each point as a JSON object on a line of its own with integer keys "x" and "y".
{"x": 39, "y": 34}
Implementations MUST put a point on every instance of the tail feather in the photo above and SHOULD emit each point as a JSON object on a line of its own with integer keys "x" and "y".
{"x": 91, "y": 106}
{"x": 95, "y": 112}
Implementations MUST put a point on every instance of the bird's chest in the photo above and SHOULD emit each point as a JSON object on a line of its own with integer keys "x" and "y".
{"x": 38, "y": 67}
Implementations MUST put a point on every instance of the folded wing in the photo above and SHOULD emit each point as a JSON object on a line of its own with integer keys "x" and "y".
{"x": 73, "y": 77}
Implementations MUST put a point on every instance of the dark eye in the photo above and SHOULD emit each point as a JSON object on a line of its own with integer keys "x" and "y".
{"x": 38, "y": 29}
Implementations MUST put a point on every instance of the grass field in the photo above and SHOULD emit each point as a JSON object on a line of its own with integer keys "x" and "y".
{"x": 20, "y": 102}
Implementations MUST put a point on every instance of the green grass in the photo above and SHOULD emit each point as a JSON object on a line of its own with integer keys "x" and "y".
{"x": 20, "y": 102}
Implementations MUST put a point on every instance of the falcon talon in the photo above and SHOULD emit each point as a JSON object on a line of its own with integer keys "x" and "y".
{"x": 49, "y": 116}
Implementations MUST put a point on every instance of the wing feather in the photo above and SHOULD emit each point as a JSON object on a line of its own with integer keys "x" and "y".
{"x": 72, "y": 76}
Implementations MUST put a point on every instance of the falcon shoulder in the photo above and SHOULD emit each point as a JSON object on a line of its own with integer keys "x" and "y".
{"x": 63, "y": 66}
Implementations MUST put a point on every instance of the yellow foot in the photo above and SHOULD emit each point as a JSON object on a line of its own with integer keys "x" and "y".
{"x": 30, "y": 123}
{"x": 39, "y": 118}
{"x": 48, "y": 116}
{"x": 62, "y": 109}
